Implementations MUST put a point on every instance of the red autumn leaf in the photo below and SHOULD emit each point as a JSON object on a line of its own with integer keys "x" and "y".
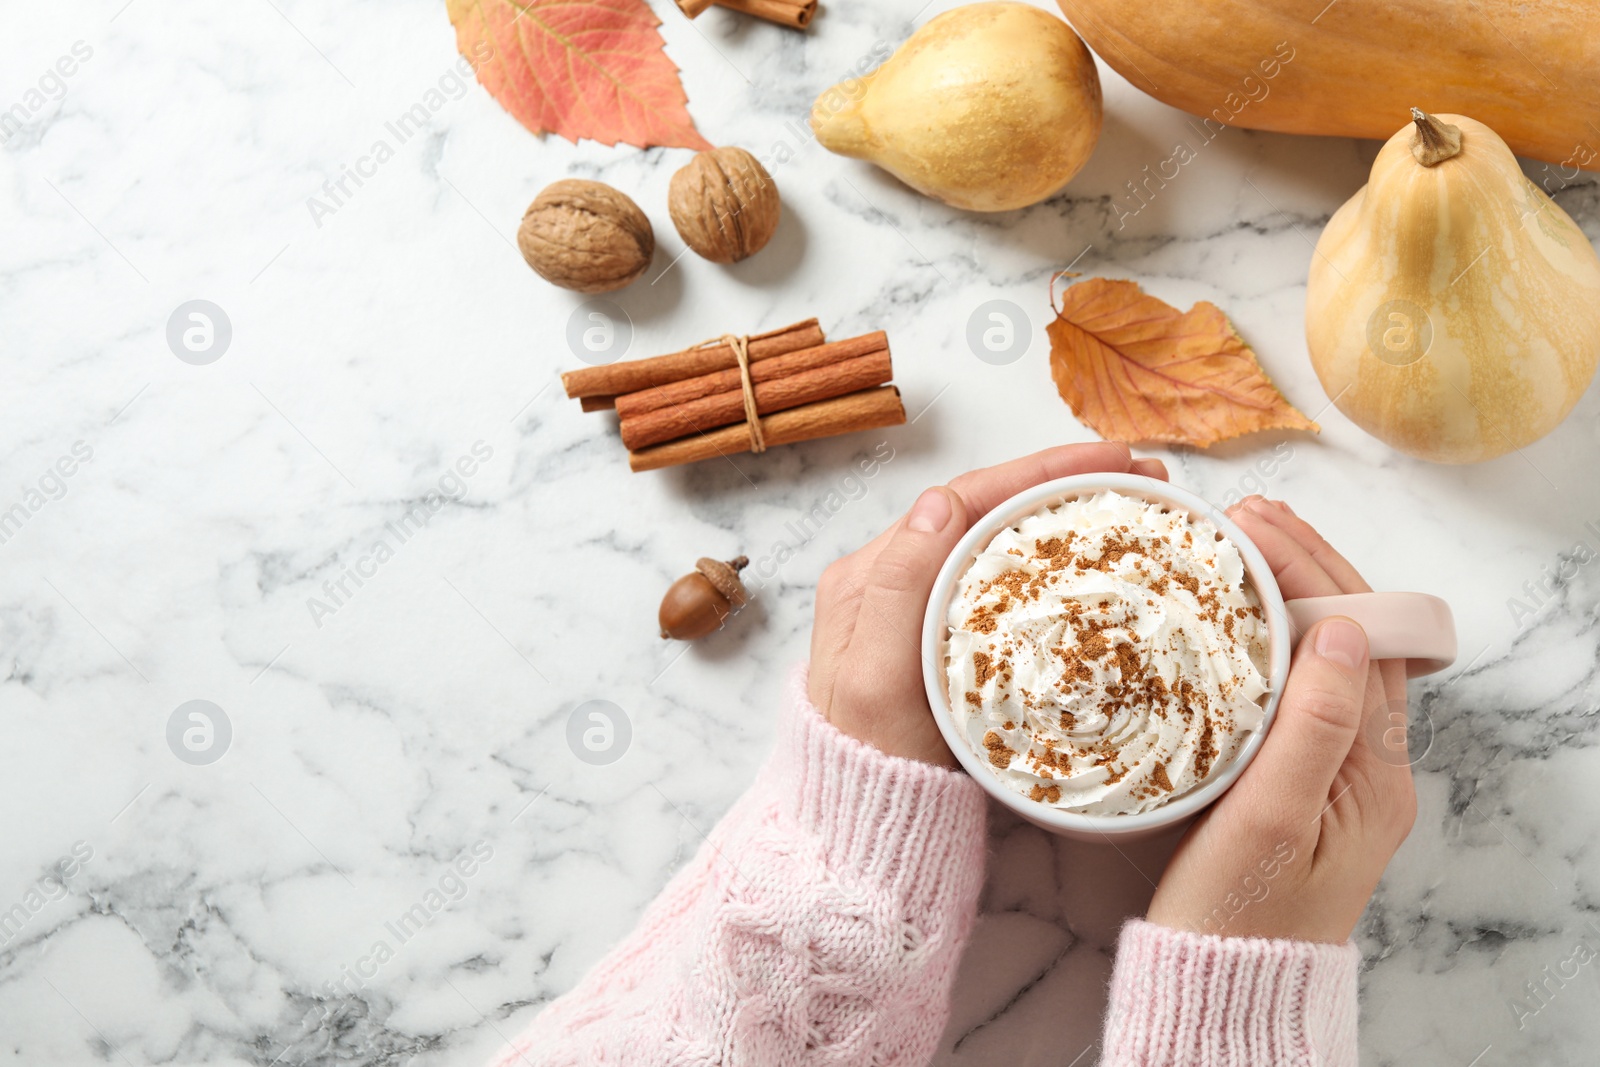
{"x": 1137, "y": 369}
{"x": 578, "y": 68}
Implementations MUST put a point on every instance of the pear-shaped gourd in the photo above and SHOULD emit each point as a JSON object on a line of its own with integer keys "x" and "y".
{"x": 988, "y": 107}
{"x": 1452, "y": 309}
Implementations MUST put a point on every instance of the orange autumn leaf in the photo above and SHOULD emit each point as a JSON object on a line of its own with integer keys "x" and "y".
{"x": 578, "y": 68}
{"x": 1134, "y": 368}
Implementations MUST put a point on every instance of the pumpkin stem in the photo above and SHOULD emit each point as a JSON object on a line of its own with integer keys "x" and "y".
{"x": 1434, "y": 141}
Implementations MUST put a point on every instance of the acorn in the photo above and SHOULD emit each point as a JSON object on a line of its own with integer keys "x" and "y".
{"x": 697, "y": 604}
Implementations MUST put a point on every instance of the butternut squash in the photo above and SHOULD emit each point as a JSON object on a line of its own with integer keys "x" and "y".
{"x": 1452, "y": 309}
{"x": 1528, "y": 69}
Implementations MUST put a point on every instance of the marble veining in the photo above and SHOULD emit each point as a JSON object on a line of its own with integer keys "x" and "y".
{"x": 400, "y": 858}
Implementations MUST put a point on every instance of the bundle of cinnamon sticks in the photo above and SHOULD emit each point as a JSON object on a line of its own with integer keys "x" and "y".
{"x": 694, "y": 404}
{"x": 793, "y": 13}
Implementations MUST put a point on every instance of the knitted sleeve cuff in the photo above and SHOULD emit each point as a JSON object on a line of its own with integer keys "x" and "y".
{"x": 912, "y": 827}
{"x": 1181, "y": 999}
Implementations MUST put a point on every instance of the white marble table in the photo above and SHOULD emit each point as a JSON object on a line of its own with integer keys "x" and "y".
{"x": 230, "y": 913}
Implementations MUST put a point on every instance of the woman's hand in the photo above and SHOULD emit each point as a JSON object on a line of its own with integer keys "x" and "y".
{"x": 1296, "y": 847}
{"x": 866, "y": 651}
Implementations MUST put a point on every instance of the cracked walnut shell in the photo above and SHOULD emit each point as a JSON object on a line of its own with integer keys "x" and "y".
{"x": 586, "y": 236}
{"x": 724, "y": 204}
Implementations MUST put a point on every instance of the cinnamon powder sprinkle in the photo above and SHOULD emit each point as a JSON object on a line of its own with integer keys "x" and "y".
{"x": 1206, "y": 751}
{"x": 1000, "y": 755}
{"x": 983, "y": 620}
{"x": 1075, "y": 670}
{"x": 1128, "y": 663}
{"x": 1088, "y": 643}
{"x": 1055, "y": 550}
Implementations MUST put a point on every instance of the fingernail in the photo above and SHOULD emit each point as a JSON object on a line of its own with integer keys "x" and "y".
{"x": 930, "y": 513}
{"x": 1150, "y": 468}
{"x": 1342, "y": 642}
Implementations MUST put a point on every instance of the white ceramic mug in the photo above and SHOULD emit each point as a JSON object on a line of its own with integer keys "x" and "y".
{"x": 1415, "y": 627}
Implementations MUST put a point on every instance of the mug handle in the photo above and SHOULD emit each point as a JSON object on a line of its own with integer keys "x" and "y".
{"x": 1415, "y": 627}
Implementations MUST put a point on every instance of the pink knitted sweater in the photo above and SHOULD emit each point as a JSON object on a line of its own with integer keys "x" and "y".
{"x": 822, "y": 921}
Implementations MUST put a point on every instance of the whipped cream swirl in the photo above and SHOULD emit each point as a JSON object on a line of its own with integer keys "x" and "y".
{"x": 1107, "y": 654}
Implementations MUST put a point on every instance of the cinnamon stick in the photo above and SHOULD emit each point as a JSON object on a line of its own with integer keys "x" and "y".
{"x": 779, "y": 394}
{"x": 597, "y": 403}
{"x": 633, "y": 375}
{"x": 783, "y": 12}
{"x": 631, "y": 405}
{"x": 865, "y": 410}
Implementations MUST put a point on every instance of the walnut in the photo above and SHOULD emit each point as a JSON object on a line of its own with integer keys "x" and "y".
{"x": 586, "y": 236}
{"x": 724, "y": 204}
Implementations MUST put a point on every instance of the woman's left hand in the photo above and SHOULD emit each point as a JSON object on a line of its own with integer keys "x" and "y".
{"x": 866, "y": 654}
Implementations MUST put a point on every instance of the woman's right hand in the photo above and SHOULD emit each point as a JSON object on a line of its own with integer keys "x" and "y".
{"x": 1296, "y": 847}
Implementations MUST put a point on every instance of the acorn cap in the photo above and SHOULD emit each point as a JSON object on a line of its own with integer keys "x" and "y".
{"x": 724, "y": 577}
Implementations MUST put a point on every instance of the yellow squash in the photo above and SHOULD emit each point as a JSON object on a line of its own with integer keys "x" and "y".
{"x": 1452, "y": 309}
{"x": 988, "y": 107}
